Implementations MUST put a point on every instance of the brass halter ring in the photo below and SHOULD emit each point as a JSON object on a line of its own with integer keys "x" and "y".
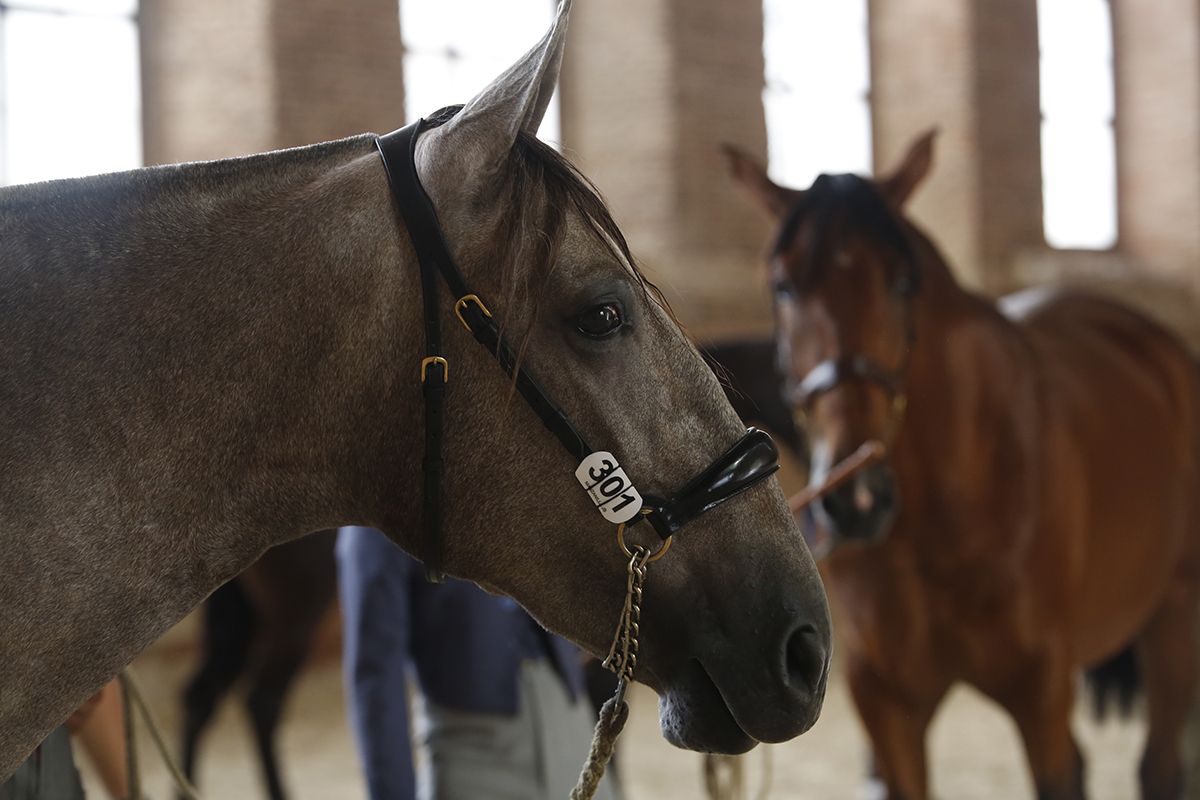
{"x": 656, "y": 555}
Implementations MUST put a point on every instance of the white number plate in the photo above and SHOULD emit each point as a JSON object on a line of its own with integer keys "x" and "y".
{"x": 609, "y": 487}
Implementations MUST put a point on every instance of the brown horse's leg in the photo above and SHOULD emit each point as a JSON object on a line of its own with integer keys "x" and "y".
{"x": 1040, "y": 703}
{"x": 896, "y": 719}
{"x": 1167, "y": 656}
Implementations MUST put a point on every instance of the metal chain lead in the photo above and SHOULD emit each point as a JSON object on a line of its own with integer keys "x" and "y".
{"x": 622, "y": 655}
{"x": 621, "y": 659}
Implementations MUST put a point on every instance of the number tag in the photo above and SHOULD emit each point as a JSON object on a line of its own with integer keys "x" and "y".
{"x": 609, "y": 487}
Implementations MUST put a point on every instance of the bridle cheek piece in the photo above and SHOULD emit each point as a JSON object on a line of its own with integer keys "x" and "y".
{"x": 750, "y": 460}
{"x": 833, "y": 372}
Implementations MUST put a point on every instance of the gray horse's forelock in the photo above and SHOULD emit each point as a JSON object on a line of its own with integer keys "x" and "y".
{"x": 530, "y": 236}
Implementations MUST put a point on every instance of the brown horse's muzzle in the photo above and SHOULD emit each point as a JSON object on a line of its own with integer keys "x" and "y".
{"x": 863, "y": 509}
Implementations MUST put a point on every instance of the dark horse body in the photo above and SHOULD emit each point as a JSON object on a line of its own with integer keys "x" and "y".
{"x": 260, "y": 627}
{"x": 1039, "y": 507}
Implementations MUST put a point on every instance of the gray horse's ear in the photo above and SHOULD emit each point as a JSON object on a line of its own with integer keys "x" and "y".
{"x": 751, "y": 175}
{"x": 899, "y": 186}
{"x": 480, "y": 136}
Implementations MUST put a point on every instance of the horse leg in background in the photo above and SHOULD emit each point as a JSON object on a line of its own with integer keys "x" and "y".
{"x": 229, "y": 628}
{"x": 1167, "y": 657}
{"x": 269, "y": 684}
{"x": 896, "y": 719}
{"x": 291, "y": 588}
{"x": 1040, "y": 699}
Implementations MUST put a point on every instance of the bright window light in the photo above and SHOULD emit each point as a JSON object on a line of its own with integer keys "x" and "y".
{"x": 818, "y": 79}
{"x": 70, "y": 89}
{"x": 1079, "y": 183}
{"x": 447, "y": 62}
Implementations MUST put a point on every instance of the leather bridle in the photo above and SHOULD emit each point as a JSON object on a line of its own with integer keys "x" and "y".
{"x": 750, "y": 460}
{"x": 833, "y": 372}
{"x": 846, "y": 367}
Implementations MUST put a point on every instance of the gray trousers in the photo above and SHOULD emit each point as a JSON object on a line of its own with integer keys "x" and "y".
{"x": 48, "y": 774}
{"x": 535, "y": 755}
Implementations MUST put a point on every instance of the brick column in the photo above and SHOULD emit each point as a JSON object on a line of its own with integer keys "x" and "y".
{"x": 650, "y": 89}
{"x": 230, "y": 77}
{"x": 1158, "y": 135}
{"x": 969, "y": 67}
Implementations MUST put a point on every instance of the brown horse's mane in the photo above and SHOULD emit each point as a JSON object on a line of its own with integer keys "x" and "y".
{"x": 839, "y": 206}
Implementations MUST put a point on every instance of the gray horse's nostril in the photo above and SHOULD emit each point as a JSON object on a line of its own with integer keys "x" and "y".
{"x": 805, "y": 658}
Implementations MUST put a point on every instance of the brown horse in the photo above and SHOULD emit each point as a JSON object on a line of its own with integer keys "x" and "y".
{"x": 1038, "y": 509}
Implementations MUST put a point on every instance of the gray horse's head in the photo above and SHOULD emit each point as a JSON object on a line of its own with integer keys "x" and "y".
{"x": 735, "y": 632}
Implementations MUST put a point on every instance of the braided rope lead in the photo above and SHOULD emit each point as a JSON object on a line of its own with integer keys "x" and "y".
{"x": 622, "y": 659}
{"x": 613, "y": 715}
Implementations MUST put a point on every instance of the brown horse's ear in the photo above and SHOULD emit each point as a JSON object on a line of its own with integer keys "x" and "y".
{"x": 751, "y": 175}
{"x": 899, "y": 186}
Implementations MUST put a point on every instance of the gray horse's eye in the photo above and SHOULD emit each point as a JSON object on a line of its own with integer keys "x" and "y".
{"x": 600, "y": 321}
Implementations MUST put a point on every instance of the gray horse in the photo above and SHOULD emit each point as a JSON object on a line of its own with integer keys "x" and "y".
{"x": 201, "y": 361}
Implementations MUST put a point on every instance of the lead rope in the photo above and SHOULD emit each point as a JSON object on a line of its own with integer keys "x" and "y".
{"x": 724, "y": 776}
{"x": 131, "y": 697}
{"x": 621, "y": 659}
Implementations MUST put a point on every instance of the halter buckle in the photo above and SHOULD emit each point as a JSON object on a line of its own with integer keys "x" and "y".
{"x": 462, "y": 303}
{"x": 425, "y": 362}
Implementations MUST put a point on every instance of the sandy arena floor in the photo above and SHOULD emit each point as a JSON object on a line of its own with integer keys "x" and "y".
{"x": 975, "y": 751}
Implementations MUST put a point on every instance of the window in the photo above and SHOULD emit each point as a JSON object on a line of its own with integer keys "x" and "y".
{"x": 818, "y": 80}
{"x": 1079, "y": 183}
{"x": 448, "y": 62}
{"x": 70, "y": 97}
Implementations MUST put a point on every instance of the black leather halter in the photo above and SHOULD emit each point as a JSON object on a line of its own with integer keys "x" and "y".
{"x": 827, "y": 375}
{"x": 831, "y": 372}
{"x": 751, "y": 459}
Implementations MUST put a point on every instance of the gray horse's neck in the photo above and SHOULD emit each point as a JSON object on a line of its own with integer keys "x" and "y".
{"x": 193, "y": 362}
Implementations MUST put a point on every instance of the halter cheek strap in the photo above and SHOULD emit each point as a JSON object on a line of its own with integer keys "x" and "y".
{"x": 749, "y": 461}
{"x": 398, "y": 151}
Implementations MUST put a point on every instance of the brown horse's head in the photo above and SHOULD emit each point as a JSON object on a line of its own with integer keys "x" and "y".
{"x": 844, "y": 273}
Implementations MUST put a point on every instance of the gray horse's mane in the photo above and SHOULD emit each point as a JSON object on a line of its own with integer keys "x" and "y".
{"x": 263, "y": 168}
{"x": 539, "y": 188}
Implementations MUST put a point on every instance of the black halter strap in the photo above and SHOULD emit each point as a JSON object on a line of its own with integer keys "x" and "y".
{"x": 749, "y": 461}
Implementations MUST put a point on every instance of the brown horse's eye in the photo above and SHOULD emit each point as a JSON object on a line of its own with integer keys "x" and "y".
{"x": 600, "y": 321}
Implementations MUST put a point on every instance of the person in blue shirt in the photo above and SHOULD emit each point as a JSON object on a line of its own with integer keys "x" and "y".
{"x": 500, "y": 712}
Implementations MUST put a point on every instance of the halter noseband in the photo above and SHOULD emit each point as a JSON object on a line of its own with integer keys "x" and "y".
{"x": 751, "y": 459}
{"x": 832, "y": 372}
